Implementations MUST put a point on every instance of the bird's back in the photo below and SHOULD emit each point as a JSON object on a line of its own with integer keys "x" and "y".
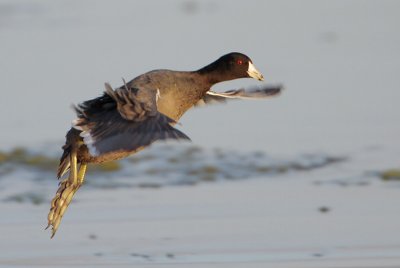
{"x": 179, "y": 91}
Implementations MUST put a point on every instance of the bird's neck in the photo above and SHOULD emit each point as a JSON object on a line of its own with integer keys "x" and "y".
{"x": 212, "y": 74}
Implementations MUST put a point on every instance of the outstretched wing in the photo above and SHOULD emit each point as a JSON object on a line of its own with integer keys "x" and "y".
{"x": 251, "y": 93}
{"x": 126, "y": 122}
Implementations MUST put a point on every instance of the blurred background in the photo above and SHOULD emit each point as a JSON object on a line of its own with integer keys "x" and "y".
{"x": 336, "y": 123}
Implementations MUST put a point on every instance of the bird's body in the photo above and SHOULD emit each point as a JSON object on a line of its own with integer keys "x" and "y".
{"x": 178, "y": 92}
{"x": 127, "y": 119}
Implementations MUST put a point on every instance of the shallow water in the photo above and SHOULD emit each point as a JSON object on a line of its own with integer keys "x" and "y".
{"x": 24, "y": 175}
{"x": 286, "y": 202}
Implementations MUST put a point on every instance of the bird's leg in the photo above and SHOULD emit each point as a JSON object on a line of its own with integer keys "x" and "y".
{"x": 81, "y": 173}
{"x": 65, "y": 192}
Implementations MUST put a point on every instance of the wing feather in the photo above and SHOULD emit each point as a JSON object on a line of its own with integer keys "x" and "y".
{"x": 132, "y": 123}
{"x": 251, "y": 93}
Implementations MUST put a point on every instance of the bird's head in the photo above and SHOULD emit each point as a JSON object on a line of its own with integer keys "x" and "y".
{"x": 237, "y": 65}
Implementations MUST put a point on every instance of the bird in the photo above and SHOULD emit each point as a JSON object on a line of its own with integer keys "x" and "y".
{"x": 125, "y": 120}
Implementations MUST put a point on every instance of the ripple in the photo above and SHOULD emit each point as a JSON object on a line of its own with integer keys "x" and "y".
{"x": 30, "y": 171}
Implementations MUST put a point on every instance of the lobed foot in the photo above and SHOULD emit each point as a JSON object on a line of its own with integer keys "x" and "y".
{"x": 65, "y": 193}
{"x": 60, "y": 202}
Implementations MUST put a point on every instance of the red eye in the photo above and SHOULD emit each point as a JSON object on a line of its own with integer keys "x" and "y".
{"x": 240, "y": 62}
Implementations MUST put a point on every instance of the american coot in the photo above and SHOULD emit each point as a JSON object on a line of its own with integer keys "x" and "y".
{"x": 127, "y": 119}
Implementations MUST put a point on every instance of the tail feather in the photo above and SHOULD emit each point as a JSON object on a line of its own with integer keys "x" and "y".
{"x": 72, "y": 139}
{"x": 64, "y": 165}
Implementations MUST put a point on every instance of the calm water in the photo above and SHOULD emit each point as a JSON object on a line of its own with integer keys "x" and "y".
{"x": 338, "y": 60}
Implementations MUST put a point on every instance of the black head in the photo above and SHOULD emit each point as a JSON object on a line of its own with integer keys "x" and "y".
{"x": 232, "y": 66}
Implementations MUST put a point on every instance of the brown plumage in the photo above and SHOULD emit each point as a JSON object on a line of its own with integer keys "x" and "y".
{"x": 131, "y": 117}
